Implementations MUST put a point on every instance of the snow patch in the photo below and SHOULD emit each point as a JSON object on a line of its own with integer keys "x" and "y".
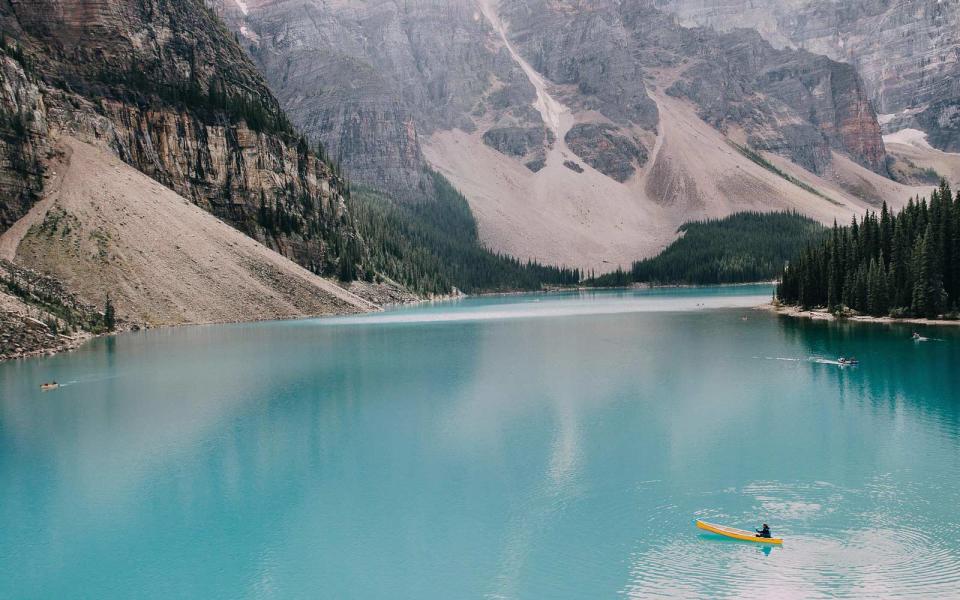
{"x": 250, "y": 35}
{"x": 884, "y": 119}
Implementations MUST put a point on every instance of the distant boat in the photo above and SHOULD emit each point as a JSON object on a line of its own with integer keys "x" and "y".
{"x": 848, "y": 361}
{"x": 737, "y": 534}
{"x": 49, "y": 386}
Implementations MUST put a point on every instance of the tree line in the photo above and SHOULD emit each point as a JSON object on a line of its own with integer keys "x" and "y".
{"x": 431, "y": 247}
{"x": 903, "y": 265}
{"x": 743, "y": 247}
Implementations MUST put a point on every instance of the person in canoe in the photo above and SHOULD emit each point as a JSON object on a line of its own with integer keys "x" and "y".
{"x": 765, "y": 532}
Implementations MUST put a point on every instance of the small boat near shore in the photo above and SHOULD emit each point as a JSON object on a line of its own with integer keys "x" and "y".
{"x": 46, "y": 387}
{"x": 737, "y": 534}
{"x": 848, "y": 361}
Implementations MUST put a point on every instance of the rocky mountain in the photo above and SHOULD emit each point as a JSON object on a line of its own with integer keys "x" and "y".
{"x": 908, "y": 52}
{"x": 129, "y": 133}
{"x": 581, "y": 132}
{"x": 370, "y": 79}
{"x": 794, "y": 103}
{"x": 167, "y": 88}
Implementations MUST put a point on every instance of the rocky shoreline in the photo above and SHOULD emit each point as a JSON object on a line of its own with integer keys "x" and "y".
{"x": 24, "y": 336}
{"x": 824, "y": 315}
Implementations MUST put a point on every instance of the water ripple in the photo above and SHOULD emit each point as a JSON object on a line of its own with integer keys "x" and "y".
{"x": 880, "y": 553}
{"x": 894, "y": 562}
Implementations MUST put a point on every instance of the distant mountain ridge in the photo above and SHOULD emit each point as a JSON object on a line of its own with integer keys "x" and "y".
{"x": 582, "y": 133}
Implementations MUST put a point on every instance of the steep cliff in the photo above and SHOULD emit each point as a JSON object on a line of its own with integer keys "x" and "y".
{"x": 908, "y": 52}
{"x": 24, "y": 139}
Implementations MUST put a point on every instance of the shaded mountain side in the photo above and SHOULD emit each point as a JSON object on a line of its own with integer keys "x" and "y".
{"x": 24, "y": 137}
{"x": 165, "y": 86}
{"x": 906, "y": 52}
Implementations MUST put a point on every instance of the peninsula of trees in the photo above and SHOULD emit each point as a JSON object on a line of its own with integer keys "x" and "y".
{"x": 904, "y": 265}
{"x": 741, "y": 248}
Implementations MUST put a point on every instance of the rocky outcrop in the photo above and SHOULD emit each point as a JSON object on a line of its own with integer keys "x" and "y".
{"x": 39, "y": 315}
{"x": 601, "y": 147}
{"x": 809, "y": 104}
{"x": 941, "y": 121}
{"x": 514, "y": 141}
{"x": 908, "y": 53}
{"x": 525, "y": 143}
{"x": 586, "y": 48}
{"x": 784, "y": 100}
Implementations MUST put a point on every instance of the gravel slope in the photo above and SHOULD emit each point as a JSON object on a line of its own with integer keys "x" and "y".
{"x": 164, "y": 261}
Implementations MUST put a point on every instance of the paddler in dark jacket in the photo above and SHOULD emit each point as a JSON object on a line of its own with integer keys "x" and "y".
{"x": 763, "y": 533}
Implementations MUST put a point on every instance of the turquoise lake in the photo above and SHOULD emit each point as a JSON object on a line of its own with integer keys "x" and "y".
{"x": 520, "y": 447}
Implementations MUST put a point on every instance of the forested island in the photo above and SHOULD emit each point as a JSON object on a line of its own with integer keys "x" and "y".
{"x": 904, "y": 265}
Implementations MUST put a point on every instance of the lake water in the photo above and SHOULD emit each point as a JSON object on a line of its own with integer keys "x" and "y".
{"x": 525, "y": 447}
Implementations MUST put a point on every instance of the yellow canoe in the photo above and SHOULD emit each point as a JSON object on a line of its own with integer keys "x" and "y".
{"x": 737, "y": 534}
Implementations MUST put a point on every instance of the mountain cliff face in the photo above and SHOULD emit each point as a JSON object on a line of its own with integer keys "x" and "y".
{"x": 24, "y": 139}
{"x": 165, "y": 86}
{"x": 371, "y": 79}
{"x": 793, "y": 103}
{"x": 907, "y": 52}
{"x": 582, "y": 133}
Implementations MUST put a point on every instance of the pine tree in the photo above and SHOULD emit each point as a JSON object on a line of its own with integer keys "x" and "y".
{"x": 834, "y": 270}
{"x": 109, "y": 315}
{"x": 954, "y": 260}
{"x": 877, "y": 299}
